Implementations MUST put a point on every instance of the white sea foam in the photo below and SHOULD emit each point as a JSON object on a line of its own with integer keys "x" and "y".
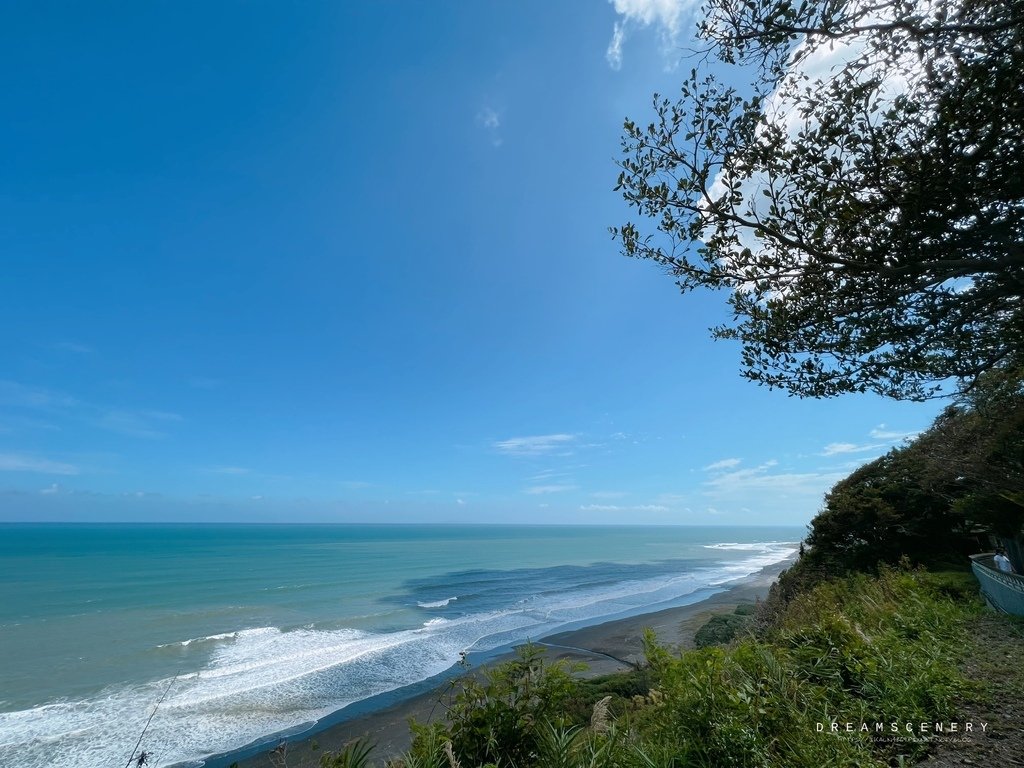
{"x": 438, "y": 604}
{"x": 207, "y": 639}
{"x": 253, "y": 682}
{"x": 764, "y": 553}
{"x": 755, "y": 546}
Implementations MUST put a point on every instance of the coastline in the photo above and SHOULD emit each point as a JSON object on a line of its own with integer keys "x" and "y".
{"x": 605, "y": 648}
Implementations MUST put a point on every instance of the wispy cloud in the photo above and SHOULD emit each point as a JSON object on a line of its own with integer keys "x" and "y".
{"x": 134, "y": 423}
{"x": 617, "y": 508}
{"x": 36, "y": 398}
{"x": 608, "y": 494}
{"x": 74, "y": 347}
{"x": 536, "y": 490}
{"x": 489, "y": 119}
{"x": 751, "y": 486}
{"x": 665, "y": 15}
{"x": 222, "y": 470}
{"x": 614, "y": 53}
{"x": 881, "y": 432}
{"x": 836, "y": 449}
{"x": 723, "y": 464}
{"x": 549, "y": 475}
{"x": 15, "y": 462}
{"x": 535, "y": 445}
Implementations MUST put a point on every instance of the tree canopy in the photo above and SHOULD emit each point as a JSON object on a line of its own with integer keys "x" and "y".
{"x": 862, "y": 200}
{"x": 930, "y": 498}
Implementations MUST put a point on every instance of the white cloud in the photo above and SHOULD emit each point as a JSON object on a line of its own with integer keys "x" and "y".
{"x": 460, "y": 502}
{"x": 614, "y": 52}
{"x": 754, "y": 486}
{"x": 547, "y": 474}
{"x": 723, "y": 464}
{"x": 608, "y": 494}
{"x": 665, "y": 15}
{"x": 52, "y": 490}
{"x": 881, "y": 432}
{"x": 535, "y": 445}
{"x": 617, "y": 508}
{"x": 834, "y": 449}
{"x": 13, "y": 462}
{"x": 134, "y": 422}
{"x": 489, "y": 119}
{"x": 535, "y": 490}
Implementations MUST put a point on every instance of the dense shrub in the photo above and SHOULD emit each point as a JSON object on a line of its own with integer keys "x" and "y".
{"x": 723, "y": 628}
{"x": 859, "y": 649}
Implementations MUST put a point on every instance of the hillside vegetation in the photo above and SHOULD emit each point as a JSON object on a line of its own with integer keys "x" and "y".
{"x": 863, "y": 650}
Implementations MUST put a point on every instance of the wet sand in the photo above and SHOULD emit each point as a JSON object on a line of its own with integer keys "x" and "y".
{"x": 605, "y": 648}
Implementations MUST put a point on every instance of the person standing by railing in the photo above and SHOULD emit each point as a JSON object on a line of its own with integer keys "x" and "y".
{"x": 1002, "y": 561}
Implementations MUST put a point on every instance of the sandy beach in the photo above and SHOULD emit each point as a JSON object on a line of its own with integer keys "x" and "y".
{"x": 604, "y": 648}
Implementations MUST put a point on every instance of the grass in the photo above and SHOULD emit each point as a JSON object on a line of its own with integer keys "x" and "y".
{"x": 860, "y": 649}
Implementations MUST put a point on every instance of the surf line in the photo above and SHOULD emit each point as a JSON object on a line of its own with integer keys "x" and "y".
{"x": 143, "y": 756}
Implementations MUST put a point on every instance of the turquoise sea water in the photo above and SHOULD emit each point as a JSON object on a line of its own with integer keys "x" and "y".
{"x": 251, "y": 630}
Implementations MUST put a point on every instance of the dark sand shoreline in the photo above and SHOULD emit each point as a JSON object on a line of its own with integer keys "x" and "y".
{"x": 605, "y": 648}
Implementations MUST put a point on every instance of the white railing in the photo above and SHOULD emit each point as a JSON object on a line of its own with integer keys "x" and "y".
{"x": 1003, "y": 591}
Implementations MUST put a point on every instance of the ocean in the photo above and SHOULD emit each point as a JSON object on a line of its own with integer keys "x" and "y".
{"x": 253, "y": 630}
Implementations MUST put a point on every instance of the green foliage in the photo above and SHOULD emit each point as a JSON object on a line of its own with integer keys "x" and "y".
{"x": 889, "y": 650}
{"x": 959, "y": 586}
{"x": 857, "y": 649}
{"x": 559, "y": 747}
{"x": 500, "y": 718}
{"x": 354, "y": 755}
{"x": 620, "y": 688}
{"x": 868, "y": 234}
{"x": 741, "y": 707}
{"x": 928, "y": 499}
{"x": 428, "y": 747}
{"x": 886, "y": 510}
{"x": 720, "y": 630}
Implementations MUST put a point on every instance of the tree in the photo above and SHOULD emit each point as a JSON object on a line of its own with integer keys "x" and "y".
{"x": 887, "y": 509}
{"x": 979, "y": 439}
{"x": 929, "y": 498}
{"x": 862, "y": 201}
{"x": 977, "y": 443}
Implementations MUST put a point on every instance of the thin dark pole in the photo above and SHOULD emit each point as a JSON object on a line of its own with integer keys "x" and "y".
{"x": 151, "y": 714}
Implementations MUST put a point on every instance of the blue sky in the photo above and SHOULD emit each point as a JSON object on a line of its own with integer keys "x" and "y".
{"x": 350, "y": 262}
